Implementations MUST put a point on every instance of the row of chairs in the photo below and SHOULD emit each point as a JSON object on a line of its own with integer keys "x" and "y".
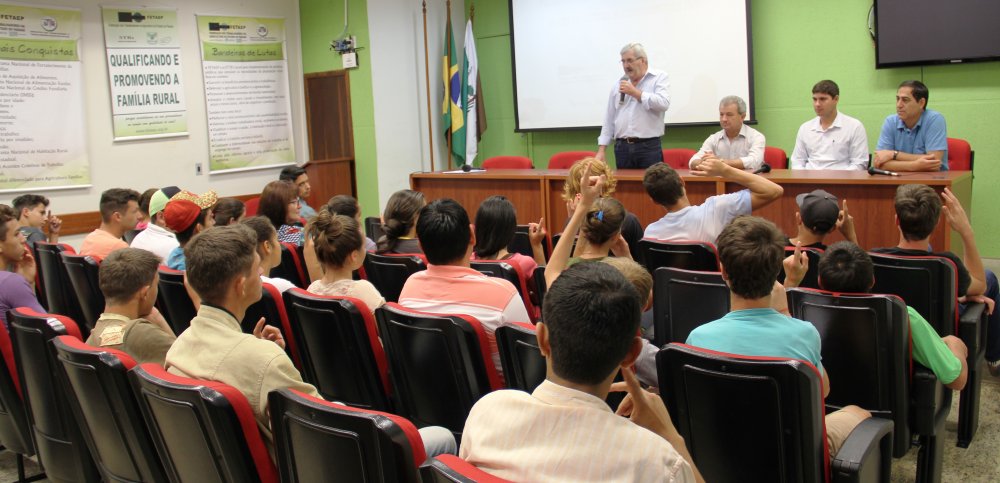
{"x": 960, "y": 158}
{"x": 92, "y": 414}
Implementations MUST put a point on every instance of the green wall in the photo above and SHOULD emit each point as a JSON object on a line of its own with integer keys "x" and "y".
{"x": 321, "y": 21}
{"x": 795, "y": 44}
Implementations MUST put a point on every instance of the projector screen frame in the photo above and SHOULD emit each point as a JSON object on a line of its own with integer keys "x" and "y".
{"x": 751, "y": 115}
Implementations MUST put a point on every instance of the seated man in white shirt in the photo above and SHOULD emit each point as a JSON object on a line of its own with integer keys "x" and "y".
{"x": 564, "y": 431}
{"x": 737, "y": 144}
{"x": 156, "y": 238}
{"x": 832, "y": 140}
{"x": 703, "y": 222}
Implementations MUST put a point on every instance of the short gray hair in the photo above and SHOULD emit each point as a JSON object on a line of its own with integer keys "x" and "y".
{"x": 636, "y": 48}
{"x": 741, "y": 106}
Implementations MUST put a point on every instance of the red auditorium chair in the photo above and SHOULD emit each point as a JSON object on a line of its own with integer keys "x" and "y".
{"x": 440, "y": 364}
{"x": 678, "y": 158}
{"x": 566, "y": 159}
{"x": 776, "y": 157}
{"x": 62, "y": 450}
{"x": 203, "y": 430}
{"x": 960, "y": 155}
{"x": 448, "y": 468}
{"x": 738, "y": 412}
{"x": 103, "y": 403}
{"x": 867, "y": 354}
{"x": 316, "y": 439}
{"x": 340, "y": 349}
{"x": 508, "y": 162}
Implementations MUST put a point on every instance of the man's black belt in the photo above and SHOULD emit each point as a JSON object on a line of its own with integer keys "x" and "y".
{"x": 634, "y": 140}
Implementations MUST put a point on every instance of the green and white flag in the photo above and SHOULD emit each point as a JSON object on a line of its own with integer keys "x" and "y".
{"x": 42, "y": 135}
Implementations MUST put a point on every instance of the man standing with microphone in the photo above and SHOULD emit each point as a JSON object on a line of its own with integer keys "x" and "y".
{"x": 634, "y": 118}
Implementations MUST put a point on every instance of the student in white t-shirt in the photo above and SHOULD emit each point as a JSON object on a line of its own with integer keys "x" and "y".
{"x": 703, "y": 222}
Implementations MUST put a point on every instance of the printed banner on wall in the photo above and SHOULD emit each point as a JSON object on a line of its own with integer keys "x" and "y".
{"x": 246, "y": 92}
{"x": 41, "y": 100}
{"x": 144, "y": 71}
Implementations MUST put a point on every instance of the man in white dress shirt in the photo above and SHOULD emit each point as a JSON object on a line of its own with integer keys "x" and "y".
{"x": 563, "y": 430}
{"x": 833, "y": 140}
{"x": 737, "y": 144}
{"x": 634, "y": 119}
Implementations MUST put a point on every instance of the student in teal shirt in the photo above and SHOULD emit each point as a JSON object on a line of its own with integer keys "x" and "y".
{"x": 751, "y": 251}
{"x": 845, "y": 267}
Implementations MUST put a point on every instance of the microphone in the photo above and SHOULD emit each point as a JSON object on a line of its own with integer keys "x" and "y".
{"x": 764, "y": 168}
{"x": 873, "y": 171}
{"x": 466, "y": 168}
{"x": 621, "y": 99}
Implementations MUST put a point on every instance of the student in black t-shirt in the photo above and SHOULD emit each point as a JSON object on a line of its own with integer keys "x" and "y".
{"x": 817, "y": 217}
{"x": 918, "y": 208}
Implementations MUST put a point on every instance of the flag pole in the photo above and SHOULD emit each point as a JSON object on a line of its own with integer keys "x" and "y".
{"x": 448, "y": 79}
{"x": 427, "y": 82}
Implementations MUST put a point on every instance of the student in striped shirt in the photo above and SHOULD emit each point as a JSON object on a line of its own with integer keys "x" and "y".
{"x": 561, "y": 431}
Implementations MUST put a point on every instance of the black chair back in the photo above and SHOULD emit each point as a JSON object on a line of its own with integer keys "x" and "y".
{"x": 737, "y": 414}
{"x": 540, "y": 287}
{"x": 522, "y": 244}
{"x": 440, "y": 364}
{"x": 112, "y": 424}
{"x": 811, "y": 278}
{"x": 317, "y": 440}
{"x": 173, "y": 300}
{"x": 866, "y": 342}
{"x": 447, "y": 468}
{"x": 683, "y": 300}
{"x": 203, "y": 430}
{"x": 15, "y": 429}
{"x": 292, "y": 266}
{"x": 928, "y": 284}
{"x": 340, "y": 349}
{"x": 58, "y": 290}
{"x": 62, "y": 450}
{"x": 523, "y": 364}
{"x": 373, "y": 228}
{"x": 130, "y": 235}
{"x": 689, "y": 255}
{"x": 388, "y": 273}
{"x": 271, "y": 307}
{"x": 83, "y": 276}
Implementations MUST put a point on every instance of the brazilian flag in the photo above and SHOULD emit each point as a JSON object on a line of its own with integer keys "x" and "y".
{"x": 452, "y": 111}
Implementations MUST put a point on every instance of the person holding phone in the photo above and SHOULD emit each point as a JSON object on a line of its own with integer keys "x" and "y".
{"x": 34, "y": 215}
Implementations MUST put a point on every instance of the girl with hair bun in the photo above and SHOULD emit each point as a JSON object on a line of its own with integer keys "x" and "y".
{"x": 399, "y": 222}
{"x": 340, "y": 250}
{"x": 602, "y": 230}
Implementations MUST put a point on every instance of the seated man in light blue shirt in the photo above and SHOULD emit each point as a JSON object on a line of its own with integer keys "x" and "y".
{"x": 751, "y": 251}
{"x": 915, "y": 138}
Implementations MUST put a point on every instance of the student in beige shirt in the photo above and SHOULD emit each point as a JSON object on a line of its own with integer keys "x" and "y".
{"x": 223, "y": 268}
{"x": 130, "y": 323}
{"x": 549, "y": 435}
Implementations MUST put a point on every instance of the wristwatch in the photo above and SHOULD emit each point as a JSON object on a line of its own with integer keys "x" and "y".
{"x": 894, "y": 154}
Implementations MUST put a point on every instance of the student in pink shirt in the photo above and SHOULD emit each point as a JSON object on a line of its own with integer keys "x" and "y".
{"x": 119, "y": 214}
{"x": 450, "y": 285}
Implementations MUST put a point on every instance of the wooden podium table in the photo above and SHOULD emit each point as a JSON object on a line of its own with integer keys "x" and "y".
{"x": 537, "y": 194}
